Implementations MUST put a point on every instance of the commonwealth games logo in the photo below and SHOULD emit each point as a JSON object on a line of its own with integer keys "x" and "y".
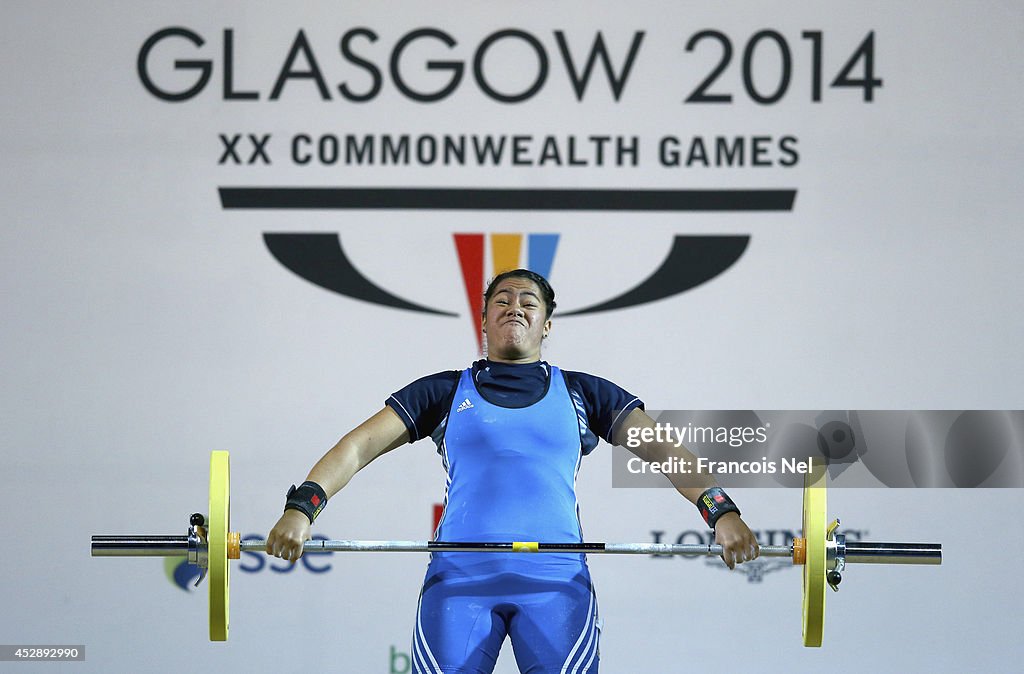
{"x": 690, "y": 260}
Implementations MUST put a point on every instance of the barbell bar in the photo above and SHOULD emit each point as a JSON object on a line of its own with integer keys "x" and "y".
{"x": 822, "y": 551}
{"x": 858, "y": 552}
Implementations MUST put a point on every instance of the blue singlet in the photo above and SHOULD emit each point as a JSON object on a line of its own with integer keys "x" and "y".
{"x": 511, "y": 477}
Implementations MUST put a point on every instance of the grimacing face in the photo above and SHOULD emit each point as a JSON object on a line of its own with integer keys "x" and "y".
{"x": 515, "y": 321}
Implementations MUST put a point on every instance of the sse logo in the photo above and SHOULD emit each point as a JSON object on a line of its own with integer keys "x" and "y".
{"x": 184, "y": 575}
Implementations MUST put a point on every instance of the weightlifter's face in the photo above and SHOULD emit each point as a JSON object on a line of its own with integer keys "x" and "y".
{"x": 515, "y": 321}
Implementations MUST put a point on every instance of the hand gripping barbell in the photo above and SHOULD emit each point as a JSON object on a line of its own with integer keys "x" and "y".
{"x": 822, "y": 551}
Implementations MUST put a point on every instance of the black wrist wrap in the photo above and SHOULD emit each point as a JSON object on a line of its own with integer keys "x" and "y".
{"x": 714, "y": 503}
{"x": 309, "y": 497}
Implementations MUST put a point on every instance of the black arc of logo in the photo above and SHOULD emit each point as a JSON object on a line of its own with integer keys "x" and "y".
{"x": 319, "y": 258}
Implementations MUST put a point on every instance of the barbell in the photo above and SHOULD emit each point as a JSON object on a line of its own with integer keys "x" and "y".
{"x": 822, "y": 550}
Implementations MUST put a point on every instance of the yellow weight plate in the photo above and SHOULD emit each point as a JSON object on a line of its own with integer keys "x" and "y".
{"x": 217, "y": 544}
{"x": 814, "y": 524}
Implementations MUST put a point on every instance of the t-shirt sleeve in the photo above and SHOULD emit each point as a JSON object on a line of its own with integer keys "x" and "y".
{"x": 607, "y": 404}
{"x": 423, "y": 404}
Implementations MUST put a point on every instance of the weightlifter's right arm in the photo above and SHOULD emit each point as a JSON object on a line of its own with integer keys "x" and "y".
{"x": 377, "y": 435}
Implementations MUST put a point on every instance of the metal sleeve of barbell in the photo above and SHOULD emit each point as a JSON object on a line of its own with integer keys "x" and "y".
{"x": 139, "y": 546}
{"x": 314, "y": 546}
{"x": 865, "y": 552}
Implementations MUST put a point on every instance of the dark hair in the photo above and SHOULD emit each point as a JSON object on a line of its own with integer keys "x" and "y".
{"x": 546, "y": 291}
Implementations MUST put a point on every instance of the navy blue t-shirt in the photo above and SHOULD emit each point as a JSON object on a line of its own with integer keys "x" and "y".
{"x": 601, "y": 405}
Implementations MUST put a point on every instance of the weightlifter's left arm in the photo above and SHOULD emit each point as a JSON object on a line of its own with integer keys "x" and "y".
{"x": 731, "y": 532}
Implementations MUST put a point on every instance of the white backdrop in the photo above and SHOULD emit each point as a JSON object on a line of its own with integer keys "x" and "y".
{"x": 144, "y": 324}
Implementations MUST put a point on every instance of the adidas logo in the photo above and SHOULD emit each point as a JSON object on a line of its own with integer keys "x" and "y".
{"x": 464, "y": 405}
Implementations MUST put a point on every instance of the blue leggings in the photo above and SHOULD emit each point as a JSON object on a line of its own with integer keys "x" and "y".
{"x": 462, "y": 621}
